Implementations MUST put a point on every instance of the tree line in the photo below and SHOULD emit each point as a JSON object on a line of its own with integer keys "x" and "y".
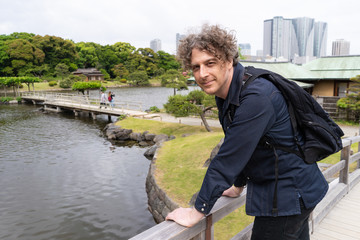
{"x": 27, "y": 54}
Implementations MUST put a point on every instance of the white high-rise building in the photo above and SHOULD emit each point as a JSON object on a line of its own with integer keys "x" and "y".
{"x": 340, "y": 47}
{"x": 178, "y": 38}
{"x": 320, "y": 39}
{"x": 298, "y": 38}
{"x": 155, "y": 45}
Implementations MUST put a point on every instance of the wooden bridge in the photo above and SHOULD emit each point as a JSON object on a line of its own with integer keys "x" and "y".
{"x": 83, "y": 103}
{"x": 336, "y": 217}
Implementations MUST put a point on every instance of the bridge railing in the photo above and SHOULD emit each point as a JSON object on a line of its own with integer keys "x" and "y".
{"x": 204, "y": 229}
{"x": 79, "y": 100}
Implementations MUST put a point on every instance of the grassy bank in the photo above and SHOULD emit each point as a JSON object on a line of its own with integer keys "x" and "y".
{"x": 179, "y": 166}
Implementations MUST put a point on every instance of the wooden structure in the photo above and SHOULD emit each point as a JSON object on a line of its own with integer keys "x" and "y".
{"x": 338, "y": 188}
{"x": 90, "y": 73}
{"x": 82, "y": 103}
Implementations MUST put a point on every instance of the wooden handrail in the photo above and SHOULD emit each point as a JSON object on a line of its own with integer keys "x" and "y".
{"x": 79, "y": 99}
{"x": 224, "y": 206}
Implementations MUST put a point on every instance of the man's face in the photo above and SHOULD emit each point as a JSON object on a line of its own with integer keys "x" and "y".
{"x": 211, "y": 74}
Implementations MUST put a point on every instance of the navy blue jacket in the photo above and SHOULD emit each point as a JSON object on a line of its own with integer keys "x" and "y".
{"x": 260, "y": 110}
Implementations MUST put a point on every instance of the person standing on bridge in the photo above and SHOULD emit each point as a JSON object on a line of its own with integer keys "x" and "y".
{"x": 111, "y": 99}
{"x": 260, "y": 110}
{"x": 103, "y": 99}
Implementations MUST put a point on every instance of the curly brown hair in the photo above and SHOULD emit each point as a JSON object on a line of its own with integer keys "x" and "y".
{"x": 212, "y": 39}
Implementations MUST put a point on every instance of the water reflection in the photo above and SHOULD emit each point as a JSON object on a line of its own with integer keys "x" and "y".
{"x": 61, "y": 179}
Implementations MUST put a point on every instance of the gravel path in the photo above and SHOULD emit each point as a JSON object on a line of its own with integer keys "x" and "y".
{"x": 349, "y": 131}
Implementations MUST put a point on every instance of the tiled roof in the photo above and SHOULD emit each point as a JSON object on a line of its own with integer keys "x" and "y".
{"x": 88, "y": 71}
{"x": 335, "y": 67}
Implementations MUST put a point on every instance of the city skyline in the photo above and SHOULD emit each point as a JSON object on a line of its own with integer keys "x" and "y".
{"x": 138, "y": 22}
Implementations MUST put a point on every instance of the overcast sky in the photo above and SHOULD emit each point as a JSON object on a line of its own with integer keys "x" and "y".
{"x": 139, "y": 21}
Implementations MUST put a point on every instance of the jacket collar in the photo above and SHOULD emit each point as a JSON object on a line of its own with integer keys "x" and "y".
{"x": 234, "y": 89}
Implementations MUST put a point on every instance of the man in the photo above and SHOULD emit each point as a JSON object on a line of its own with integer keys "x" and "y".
{"x": 243, "y": 159}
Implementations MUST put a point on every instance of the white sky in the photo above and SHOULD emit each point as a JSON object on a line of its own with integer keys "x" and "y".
{"x": 139, "y": 21}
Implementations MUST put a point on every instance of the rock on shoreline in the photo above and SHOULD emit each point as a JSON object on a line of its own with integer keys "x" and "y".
{"x": 115, "y": 132}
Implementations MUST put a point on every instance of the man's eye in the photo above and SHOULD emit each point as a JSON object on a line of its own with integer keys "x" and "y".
{"x": 194, "y": 68}
{"x": 211, "y": 63}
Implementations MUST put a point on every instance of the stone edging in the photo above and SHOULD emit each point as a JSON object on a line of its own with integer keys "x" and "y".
{"x": 159, "y": 204}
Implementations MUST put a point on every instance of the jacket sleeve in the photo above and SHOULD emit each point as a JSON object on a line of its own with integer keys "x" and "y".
{"x": 252, "y": 119}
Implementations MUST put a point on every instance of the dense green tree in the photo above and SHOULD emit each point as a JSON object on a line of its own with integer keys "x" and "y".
{"x": 62, "y": 70}
{"x": 123, "y": 51}
{"x": 138, "y": 78}
{"x": 22, "y": 56}
{"x": 120, "y": 71}
{"x": 56, "y": 49}
{"x": 87, "y": 52}
{"x": 167, "y": 61}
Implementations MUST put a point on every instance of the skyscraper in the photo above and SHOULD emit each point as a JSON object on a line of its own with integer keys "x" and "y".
{"x": 178, "y": 38}
{"x": 340, "y": 47}
{"x": 294, "y": 38}
{"x": 320, "y": 39}
{"x": 155, "y": 45}
{"x": 279, "y": 38}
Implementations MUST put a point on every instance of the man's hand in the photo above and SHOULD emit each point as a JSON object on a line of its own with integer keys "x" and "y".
{"x": 186, "y": 217}
{"x": 233, "y": 191}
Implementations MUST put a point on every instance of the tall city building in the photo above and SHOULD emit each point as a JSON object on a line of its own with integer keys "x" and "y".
{"x": 279, "y": 38}
{"x": 300, "y": 38}
{"x": 340, "y": 47}
{"x": 320, "y": 39}
{"x": 155, "y": 45}
{"x": 178, "y": 38}
{"x": 245, "y": 49}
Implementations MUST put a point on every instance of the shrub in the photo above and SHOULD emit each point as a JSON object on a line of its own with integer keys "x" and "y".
{"x": 52, "y": 83}
{"x": 66, "y": 83}
{"x": 154, "y": 109}
{"x": 6, "y": 99}
{"x": 138, "y": 78}
{"x": 123, "y": 80}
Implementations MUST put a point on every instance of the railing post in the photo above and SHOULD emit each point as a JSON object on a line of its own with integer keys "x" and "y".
{"x": 344, "y": 173}
{"x": 358, "y": 161}
{"x": 209, "y": 228}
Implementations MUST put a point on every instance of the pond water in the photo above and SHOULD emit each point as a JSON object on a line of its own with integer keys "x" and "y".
{"x": 60, "y": 178}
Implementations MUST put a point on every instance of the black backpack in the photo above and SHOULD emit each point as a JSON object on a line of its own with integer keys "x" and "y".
{"x": 322, "y": 136}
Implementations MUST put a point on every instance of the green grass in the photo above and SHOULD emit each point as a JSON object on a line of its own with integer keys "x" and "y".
{"x": 157, "y": 127}
{"x": 179, "y": 166}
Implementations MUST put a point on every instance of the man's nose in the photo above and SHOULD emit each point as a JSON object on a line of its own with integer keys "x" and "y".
{"x": 203, "y": 71}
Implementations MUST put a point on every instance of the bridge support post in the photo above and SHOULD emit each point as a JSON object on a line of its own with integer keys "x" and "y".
{"x": 93, "y": 115}
{"x": 344, "y": 173}
{"x": 76, "y": 113}
{"x": 33, "y": 101}
{"x": 109, "y": 118}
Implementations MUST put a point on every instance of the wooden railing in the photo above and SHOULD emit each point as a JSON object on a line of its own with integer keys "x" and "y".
{"x": 224, "y": 206}
{"x": 78, "y": 100}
